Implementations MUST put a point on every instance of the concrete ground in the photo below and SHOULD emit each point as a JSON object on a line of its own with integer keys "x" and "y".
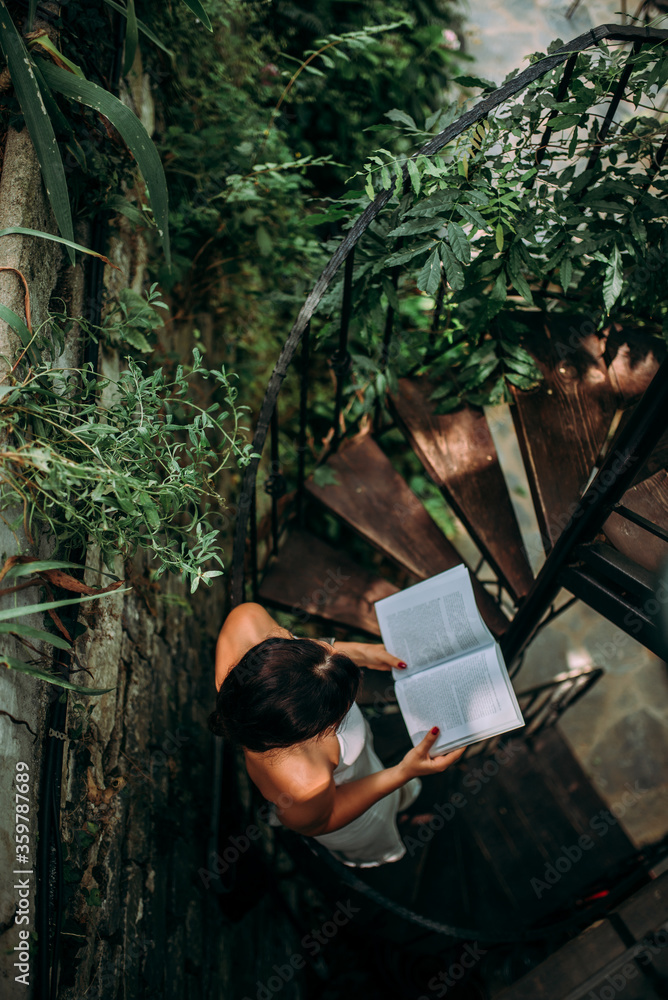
{"x": 500, "y": 34}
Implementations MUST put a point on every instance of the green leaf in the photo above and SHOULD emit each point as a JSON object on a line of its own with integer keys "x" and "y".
{"x": 39, "y": 125}
{"x": 35, "y": 609}
{"x": 521, "y": 284}
{"x": 472, "y": 215}
{"x": 414, "y": 226}
{"x": 37, "y": 565}
{"x": 131, "y": 37}
{"x": 22, "y": 231}
{"x": 395, "y": 115}
{"x": 45, "y": 42}
{"x": 429, "y": 276}
{"x": 475, "y": 81}
{"x": 131, "y": 130}
{"x": 499, "y": 290}
{"x": 323, "y": 476}
{"x": 198, "y": 10}
{"x": 638, "y": 230}
{"x": 34, "y": 633}
{"x": 566, "y": 273}
{"x": 459, "y": 242}
{"x": 19, "y": 327}
{"x": 453, "y": 269}
{"x": 403, "y": 256}
{"x": 499, "y": 237}
{"x": 414, "y": 175}
{"x": 613, "y": 280}
{"x": 13, "y": 664}
{"x": 564, "y": 121}
{"x": 142, "y": 27}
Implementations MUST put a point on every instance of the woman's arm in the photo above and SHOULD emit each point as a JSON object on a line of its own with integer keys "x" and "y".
{"x": 370, "y": 654}
{"x": 244, "y": 627}
{"x": 330, "y": 807}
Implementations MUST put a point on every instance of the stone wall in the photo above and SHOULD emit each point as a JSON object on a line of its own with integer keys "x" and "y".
{"x": 24, "y": 702}
{"x": 140, "y": 919}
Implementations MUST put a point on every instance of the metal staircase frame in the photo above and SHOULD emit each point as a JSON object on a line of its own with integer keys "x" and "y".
{"x": 593, "y": 571}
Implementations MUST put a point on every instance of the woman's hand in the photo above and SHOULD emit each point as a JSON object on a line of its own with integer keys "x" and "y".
{"x": 370, "y": 654}
{"x": 417, "y": 761}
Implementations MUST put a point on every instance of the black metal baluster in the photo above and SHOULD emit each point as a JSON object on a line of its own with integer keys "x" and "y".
{"x": 275, "y": 484}
{"x": 561, "y": 93}
{"x": 303, "y": 413}
{"x": 614, "y": 104}
{"x": 614, "y": 477}
{"x": 340, "y": 360}
{"x": 253, "y": 544}
{"x": 385, "y": 350}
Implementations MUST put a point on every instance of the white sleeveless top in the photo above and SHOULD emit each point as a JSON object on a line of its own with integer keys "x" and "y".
{"x": 373, "y": 838}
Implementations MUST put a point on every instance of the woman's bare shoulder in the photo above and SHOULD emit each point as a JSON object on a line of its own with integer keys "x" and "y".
{"x": 296, "y": 776}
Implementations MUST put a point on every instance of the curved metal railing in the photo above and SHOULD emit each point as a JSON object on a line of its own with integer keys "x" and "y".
{"x": 568, "y": 687}
{"x": 340, "y": 361}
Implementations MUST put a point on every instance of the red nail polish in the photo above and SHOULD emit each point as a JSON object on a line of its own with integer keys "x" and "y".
{"x": 434, "y": 730}
{"x": 401, "y": 665}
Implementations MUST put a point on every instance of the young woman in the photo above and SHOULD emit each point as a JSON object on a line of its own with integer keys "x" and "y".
{"x": 290, "y": 704}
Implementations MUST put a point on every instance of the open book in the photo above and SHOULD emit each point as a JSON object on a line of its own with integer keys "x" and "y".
{"x": 456, "y": 678}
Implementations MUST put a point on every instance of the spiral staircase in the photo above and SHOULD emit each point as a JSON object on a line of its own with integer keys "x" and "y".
{"x": 593, "y": 443}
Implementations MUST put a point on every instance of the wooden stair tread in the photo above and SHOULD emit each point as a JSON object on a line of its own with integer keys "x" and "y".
{"x": 373, "y": 499}
{"x": 458, "y": 453}
{"x": 577, "y": 961}
{"x": 310, "y": 576}
{"x": 650, "y": 499}
{"x": 518, "y": 819}
{"x": 562, "y": 425}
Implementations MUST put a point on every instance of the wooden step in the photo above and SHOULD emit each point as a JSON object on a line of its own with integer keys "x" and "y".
{"x": 312, "y": 579}
{"x": 598, "y": 955}
{"x": 562, "y": 425}
{"x": 519, "y": 817}
{"x": 458, "y": 454}
{"x": 650, "y": 500}
{"x": 373, "y": 499}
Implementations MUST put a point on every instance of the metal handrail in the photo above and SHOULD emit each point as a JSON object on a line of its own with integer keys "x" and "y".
{"x": 534, "y": 606}
{"x": 610, "y": 32}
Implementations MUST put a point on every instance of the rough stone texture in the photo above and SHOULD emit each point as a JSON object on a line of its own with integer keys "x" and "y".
{"x": 138, "y": 918}
{"x": 149, "y": 757}
{"x": 23, "y": 203}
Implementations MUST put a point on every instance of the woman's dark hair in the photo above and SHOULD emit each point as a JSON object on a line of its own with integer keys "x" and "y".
{"x": 283, "y": 692}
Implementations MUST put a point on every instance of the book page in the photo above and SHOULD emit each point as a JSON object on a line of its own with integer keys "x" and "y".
{"x": 432, "y": 621}
{"x": 469, "y": 699}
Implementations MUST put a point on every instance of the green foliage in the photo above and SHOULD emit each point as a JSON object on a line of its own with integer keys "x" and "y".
{"x": 481, "y": 235}
{"x": 39, "y": 71}
{"x": 138, "y": 472}
{"x": 340, "y": 99}
{"x": 31, "y": 99}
